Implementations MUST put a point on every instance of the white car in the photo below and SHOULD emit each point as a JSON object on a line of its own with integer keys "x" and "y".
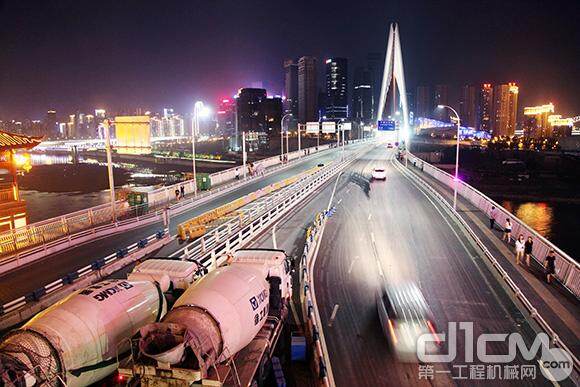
{"x": 379, "y": 174}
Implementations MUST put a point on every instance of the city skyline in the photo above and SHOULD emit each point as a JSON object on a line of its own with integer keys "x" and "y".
{"x": 114, "y": 66}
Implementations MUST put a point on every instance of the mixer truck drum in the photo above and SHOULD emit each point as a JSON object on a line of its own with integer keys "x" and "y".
{"x": 32, "y": 361}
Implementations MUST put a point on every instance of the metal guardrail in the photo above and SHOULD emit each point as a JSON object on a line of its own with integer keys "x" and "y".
{"x": 534, "y": 313}
{"x": 567, "y": 269}
{"x": 311, "y": 322}
{"x": 77, "y": 275}
{"x": 16, "y": 243}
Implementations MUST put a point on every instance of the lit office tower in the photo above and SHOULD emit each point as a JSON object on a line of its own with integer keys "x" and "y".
{"x": 50, "y": 127}
{"x": 485, "y": 107}
{"x": 441, "y": 97}
{"x": 307, "y": 91}
{"x": 336, "y": 88}
{"x": 505, "y": 107}
{"x": 423, "y": 107}
{"x": 362, "y": 99}
{"x": 468, "y": 106}
{"x": 291, "y": 87}
{"x": 375, "y": 62}
{"x": 226, "y": 117}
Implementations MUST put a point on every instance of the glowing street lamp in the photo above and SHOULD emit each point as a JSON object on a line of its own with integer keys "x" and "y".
{"x": 282, "y": 136}
{"x": 199, "y": 110}
{"x": 456, "y": 154}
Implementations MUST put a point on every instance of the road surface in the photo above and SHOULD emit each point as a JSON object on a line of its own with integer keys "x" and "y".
{"x": 389, "y": 232}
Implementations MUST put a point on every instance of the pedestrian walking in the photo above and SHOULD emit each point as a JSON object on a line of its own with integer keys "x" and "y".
{"x": 492, "y": 215}
{"x": 550, "y": 265}
{"x": 507, "y": 230}
{"x": 176, "y": 194}
{"x": 528, "y": 250}
{"x": 520, "y": 248}
{"x": 182, "y": 190}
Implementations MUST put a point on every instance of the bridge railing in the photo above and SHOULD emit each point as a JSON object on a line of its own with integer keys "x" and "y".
{"x": 567, "y": 269}
{"x": 39, "y": 234}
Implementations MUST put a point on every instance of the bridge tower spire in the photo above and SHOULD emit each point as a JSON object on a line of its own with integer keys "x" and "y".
{"x": 393, "y": 71}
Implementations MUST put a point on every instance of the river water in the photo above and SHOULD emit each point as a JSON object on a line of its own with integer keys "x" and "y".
{"x": 556, "y": 221}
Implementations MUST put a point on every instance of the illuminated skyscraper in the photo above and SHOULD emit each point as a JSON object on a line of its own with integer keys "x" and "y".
{"x": 291, "y": 87}
{"x": 375, "y": 61}
{"x": 336, "y": 88}
{"x": 468, "y": 106}
{"x": 485, "y": 107}
{"x": 505, "y": 109}
{"x": 362, "y": 104}
{"x": 50, "y": 127}
{"x": 307, "y": 91}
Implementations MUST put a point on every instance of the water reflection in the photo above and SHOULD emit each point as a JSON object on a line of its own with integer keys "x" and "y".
{"x": 538, "y": 215}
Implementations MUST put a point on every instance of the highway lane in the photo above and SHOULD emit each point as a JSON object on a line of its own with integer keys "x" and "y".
{"x": 393, "y": 228}
{"x": 26, "y": 279}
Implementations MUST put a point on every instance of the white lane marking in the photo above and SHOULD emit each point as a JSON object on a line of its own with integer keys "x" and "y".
{"x": 333, "y": 315}
{"x": 274, "y": 236}
{"x": 352, "y": 264}
{"x": 373, "y": 237}
{"x": 370, "y": 216}
{"x": 339, "y": 201}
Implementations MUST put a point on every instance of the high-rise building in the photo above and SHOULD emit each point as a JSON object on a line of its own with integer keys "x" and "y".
{"x": 441, "y": 97}
{"x": 362, "y": 101}
{"x": 468, "y": 106}
{"x": 375, "y": 63}
{"x": 423, "y": 106}
{"x": 336, "y": 88}
{"x": 505, "y": 107}
{"x": 50, "y": 126}
{"x": 291, "y": 87}
{"x": 485, "y": 107}
{"x": 537, "y": 121}
{"x": 258, "y": 115}
{"x": 226, "y": 117}
{"x": 307, "y": 90}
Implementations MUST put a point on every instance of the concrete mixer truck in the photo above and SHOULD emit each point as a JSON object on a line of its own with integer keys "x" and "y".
{"x": 79, "y": 340}
{"x": 236, "y": 310}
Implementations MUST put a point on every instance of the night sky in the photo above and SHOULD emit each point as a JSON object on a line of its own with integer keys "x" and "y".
{"x": 120, "y": 55}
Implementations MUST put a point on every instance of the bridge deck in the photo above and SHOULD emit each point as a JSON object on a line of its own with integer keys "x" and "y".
{"x": 28, "y": 278}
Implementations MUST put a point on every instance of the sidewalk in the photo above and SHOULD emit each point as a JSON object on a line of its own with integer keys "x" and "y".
{"x": 559, "y": 307}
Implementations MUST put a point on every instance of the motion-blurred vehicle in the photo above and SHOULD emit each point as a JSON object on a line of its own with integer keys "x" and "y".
{"x": 379, "y": 174}
{"x": 389, "y": 145}
{"x": 404, "y": 316}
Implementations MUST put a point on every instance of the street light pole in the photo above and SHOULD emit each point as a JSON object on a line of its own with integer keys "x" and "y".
{"x": 195, "y": 128}
{"x": 110, "y": 168}
{"x": 282, "y": 136}
{"x": 456, "y": 155}
{"x": 299, "y": 147}
{"x": 244, "y": 156}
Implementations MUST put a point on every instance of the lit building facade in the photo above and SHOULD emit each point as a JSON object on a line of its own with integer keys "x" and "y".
{"x": 307, "y": 90}
{"x": 505, "y": 107}
{"x": 133, "y": 134}
{"x": 336, "y": 88}
{"x": 468, "y": 106}
{"x": 291, "y": 87}
{"x": 362, "y": 101}
{"x": 226, "y": 117}
{"x": 485, "y": 107}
